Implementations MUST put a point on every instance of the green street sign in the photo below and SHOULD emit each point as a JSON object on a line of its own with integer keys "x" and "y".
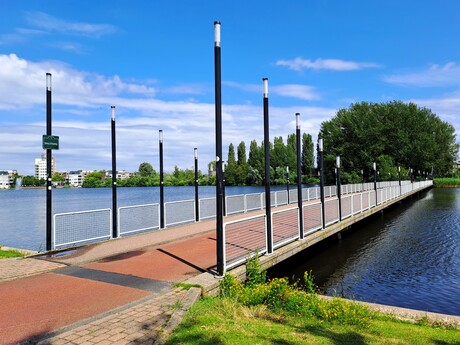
{"x": 50, "y": 142}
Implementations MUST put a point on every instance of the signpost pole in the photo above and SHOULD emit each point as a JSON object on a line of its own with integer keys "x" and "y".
{"x": 49, "y": 170}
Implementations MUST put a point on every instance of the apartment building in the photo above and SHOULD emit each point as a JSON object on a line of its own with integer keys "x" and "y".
{"x": 40, "y": 167}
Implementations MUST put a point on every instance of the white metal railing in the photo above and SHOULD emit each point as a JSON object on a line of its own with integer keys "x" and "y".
{"x": 74, "y": 228}
{"x": 138, "y": 218}
{"x": 357, "y": 198}
{"x": 81, "y": 227}
{"x": 179, "y": 212}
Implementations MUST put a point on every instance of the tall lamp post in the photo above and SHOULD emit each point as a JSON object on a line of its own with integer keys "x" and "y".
{"x": 299, "y": 176}
{"x": 219, "y": 188}
{"x": 321, "y": 179}
{"x": 362, "y": 179}
{"x": 197, "y": 205}
{"x": 339, "y": 196}
{"x": 49, "y": 170}
{"x": 375, "y": 181}
{"x": 399, "y": 178}
{"x": 114, "y": 176}
{"x": 267, "y": 168}
{"x": 287, "y": 184}
{"x": 162, "y": 191}
{"x": 224, "y": 206}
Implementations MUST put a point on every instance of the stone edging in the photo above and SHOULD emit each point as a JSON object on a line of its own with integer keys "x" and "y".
{"x": 192, "y": 296}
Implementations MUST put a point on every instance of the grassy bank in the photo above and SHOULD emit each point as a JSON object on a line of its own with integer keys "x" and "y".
{"x": 10, "y": 253}
{"x": 274, "y": 312}
{"x": 447, "y": 182}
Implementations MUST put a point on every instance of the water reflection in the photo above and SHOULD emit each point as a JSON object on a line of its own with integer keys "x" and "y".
{"x": 409, "y": 257}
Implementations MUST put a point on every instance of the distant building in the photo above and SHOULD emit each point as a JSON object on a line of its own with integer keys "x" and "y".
{"x": 4, "y": 180}
{"x": 7, "y": 178}
{"x": 76, "y": 178}
{"x": 122, "y": 175}
{"x": 40, "y": 167}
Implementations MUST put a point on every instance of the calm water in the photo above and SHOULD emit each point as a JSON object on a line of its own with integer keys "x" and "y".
{"x": 409, "y": 257}
{"x": 23, "y": 212}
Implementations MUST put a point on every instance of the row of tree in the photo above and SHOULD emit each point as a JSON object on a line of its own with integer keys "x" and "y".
{"x": 241, "y": 170}
{"x": 393, "y": 134}
{"x": 148, "y": 177}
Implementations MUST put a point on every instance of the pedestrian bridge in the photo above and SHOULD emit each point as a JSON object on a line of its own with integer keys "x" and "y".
{"x": 246, "y": 236}
{"x": 245, "y": 226}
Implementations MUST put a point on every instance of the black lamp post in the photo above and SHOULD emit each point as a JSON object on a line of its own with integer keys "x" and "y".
{"x": 197, "y": 205}
{"x": 399, "y": 179}
{"x": 299, "y": 176}
{"x": 220, "y": 246}
{"x": 162, "y": 191}
{"x": 339, "y": 196}
{"x": 267, "y": 169}
{"x": 375, "y": 181}
{"x": 321, "y": 179}
{"x": 114, "y": 177}
{"x": 224, "y": 206}
{"x": 287, "y": 184}
{"x": 49, "y": 168}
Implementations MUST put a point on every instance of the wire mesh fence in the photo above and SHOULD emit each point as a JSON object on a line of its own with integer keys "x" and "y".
{"x": 81, "y": 227}
{"x": 73, "y": 228}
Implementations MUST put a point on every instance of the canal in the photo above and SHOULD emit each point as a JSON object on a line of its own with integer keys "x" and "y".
{"x": 409, "y": 257}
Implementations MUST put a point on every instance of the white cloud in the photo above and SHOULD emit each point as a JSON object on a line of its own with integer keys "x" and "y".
{"x": 50, "y": 23}
{"x": 300, "y": 64}
{"x": 81, "y": 118}
{"x": 299, "y": 91}
{"x": 434, "y": 76}
{"x": 23, "y": 84}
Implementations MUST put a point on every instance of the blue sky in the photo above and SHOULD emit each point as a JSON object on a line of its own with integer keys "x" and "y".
{"x": 154, "y": 60}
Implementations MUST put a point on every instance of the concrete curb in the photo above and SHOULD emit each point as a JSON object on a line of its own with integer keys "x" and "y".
{"x": 192, "y": 296}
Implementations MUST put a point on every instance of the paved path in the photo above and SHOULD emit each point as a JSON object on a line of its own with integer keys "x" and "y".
{"x": 120, "y": 291}
{"x": 117, "y": 291}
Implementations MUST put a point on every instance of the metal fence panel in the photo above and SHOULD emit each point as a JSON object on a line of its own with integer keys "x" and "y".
{"x": 314, "y": 193}
{"x": 179, "y": 212}
{"x": 81, "y": 227}
{"x": 312, "y": 217}
{"x": 138, "y": 218}
{"x": 235, "y": 204}
{"x": 346, "y": 206}
{"x": 285, "y": 225}
{"x": 207, "y": 208}
{"x": 242, "y": 238}
{"x": 293, "y": 196}
{"x": 281, "y": 198}
{"x": 331, "y": 208}
{"x": 254, "y": 201}
{"x": 357, "y": 202}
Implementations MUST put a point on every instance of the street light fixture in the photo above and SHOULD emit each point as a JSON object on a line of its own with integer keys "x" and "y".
{"x": 321, "y": 179}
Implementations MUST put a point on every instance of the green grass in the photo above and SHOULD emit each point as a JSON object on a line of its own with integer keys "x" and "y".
{"x": 224, "y": 321}
{"x": 5, "y": 254}
{"x": 274, "y": 312}
{"x": 446, "y": 182}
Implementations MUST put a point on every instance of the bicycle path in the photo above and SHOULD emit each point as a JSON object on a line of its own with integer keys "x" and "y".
{"x": 86, "y": 283}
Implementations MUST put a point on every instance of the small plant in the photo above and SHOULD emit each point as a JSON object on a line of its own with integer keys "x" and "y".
{"x": 229, "y": 286}
{"x": 254, "y": 274}
{"x": 309, "y": 285}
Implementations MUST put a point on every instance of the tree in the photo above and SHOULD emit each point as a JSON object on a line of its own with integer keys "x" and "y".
{"x": 256, "y": 164}
{"x": 392, "y": 134}
{"x": 242, "y": 154}
{"x": 58, "y": 177}
{"x": 146, "y": 169}
{"x": 308, "y": 154}
{"x": 230, "y": 169}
